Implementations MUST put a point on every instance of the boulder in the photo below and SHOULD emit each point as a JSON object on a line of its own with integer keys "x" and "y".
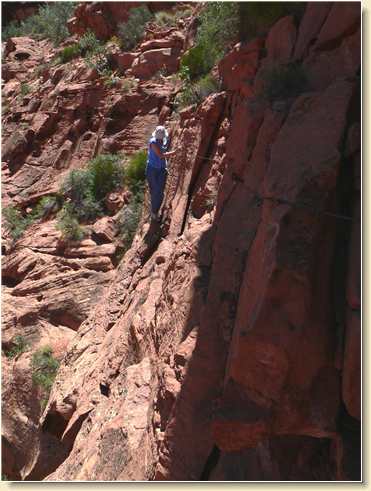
{"x": 313, "y": 19}
{"x": 281, "y": 39}
{"x": 238, "y": 68}
{"x": 342, "y": 20}
{"x": 151, "y": 61}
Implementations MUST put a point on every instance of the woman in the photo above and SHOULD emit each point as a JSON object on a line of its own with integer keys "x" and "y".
{"x": 156, "y": 170}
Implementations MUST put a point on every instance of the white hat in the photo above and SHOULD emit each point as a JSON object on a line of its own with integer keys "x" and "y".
{"x": 160, "y": 133}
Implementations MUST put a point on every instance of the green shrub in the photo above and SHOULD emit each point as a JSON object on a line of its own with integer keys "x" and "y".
{"x": 50, "y": 22}
{"x": 128, "y": 84}
{"x": 44, "y": 370}
{"x": 112, "y": 80}
{"x": 196, "y": 92}
{"x": 165, "y": 19}
{"x": 283, "y": 81}
{"x": 107, "y": 173}
{"x": 100, "y": 63}
{"x": 219, "y": 28}
{"x": 15, "y": 223}
{"x": 11, "y": 30}
{"x": 135, "y": 171}
{"x": 128, "y": 220}
{"x": 70, "y": 52}
{"x": 19, "y": 346}
{"x": 183, "y": 13}
{"x": 95, "y": 53}
{"x": 206, "y": 85}
{"x": 46, "y": 204}
{"x": 115, "y": 40}
{"x": 194, "y": 62}
{"x": 129, "y": 216}
{"x": 87, "y": 188}
{"x": 132, "y": 31}
{"x": 88, "y": 43}
{"x": 25, "y": 89}
{"x": 82, "y": 206}
{"x": 68, "y": 224}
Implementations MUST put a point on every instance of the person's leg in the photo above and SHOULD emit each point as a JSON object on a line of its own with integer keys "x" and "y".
{"x": 151, "y": 179}
{"x": 157, "y": 185}
{"x": 161, "y": 186}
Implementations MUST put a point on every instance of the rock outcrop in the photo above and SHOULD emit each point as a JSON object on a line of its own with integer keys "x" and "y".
{"x": 225, "y": 344}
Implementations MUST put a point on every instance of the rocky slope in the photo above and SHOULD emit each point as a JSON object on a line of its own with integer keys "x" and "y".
{"x": 225, "y": 345}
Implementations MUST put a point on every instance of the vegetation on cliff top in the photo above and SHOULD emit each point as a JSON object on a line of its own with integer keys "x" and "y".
{"x": 50, "y": 22}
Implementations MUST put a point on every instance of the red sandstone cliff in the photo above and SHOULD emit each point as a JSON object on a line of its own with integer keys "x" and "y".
{"x": 225, "y": 345}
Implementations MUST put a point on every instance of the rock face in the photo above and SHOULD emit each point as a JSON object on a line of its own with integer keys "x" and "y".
{"x": 103, "y": 17}
{"x": 225, "y": 345}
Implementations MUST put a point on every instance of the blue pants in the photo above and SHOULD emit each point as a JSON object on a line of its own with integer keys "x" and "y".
{"x": 156, "y": 181}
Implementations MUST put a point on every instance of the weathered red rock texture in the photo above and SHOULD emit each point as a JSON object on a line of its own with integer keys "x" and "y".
{"x": 226, "y": 344}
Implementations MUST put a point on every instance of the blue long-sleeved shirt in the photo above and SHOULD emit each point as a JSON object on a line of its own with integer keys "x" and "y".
{"x": 153, "y": 160}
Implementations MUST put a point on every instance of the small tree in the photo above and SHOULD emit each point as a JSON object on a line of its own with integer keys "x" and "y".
{"x": 44, "y": 370}
{"x": 69, "y": 226}
{"x": 19, "y": 346}
{"x": 132, "y": 31}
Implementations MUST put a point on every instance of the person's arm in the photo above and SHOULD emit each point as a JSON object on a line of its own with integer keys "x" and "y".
{"x": 160, "y": 154}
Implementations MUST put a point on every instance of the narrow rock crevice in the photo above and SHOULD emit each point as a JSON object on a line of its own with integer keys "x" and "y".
{"x": 211, "y": 463}
{"x": 205, "y": 160}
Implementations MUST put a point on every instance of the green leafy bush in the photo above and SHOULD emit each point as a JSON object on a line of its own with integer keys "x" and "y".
{"x": 46, "y": 204}
{"x": 107, "y": 174}
{"x": 283, "y": 81}
{"x": 89, "y": 43}
{"x": 78, "y": 187}
{"x": 25, "y": 89}
{"x": 135, "y": 171}
{"x": 129, "y": 216}
{"x": 50, "y": 22}
{"x": 19, "y": 346}
{"x": 132, "y": 31}
{"x": 11, "y": 30}
{"x": 15, "y": 223}
{"x": 196, "y": 92}
{"x": 100, "y": 63}
{"x": 194, "y": 62}
{"x": 183, "y": 12}
{"x": 70, "y": 52}
{"x": 87, "y": 188}
{"x": 69, "y": 225}
{"x": 128, "y": 84}
{"x": 219, "y": 27}
{"x": 128, "y": 220}
{"x": 206, "y": 85}
{"x": 165, "y": 19}
{"x": 44, "y": 370}
{"x": 96, "y": 54}
{"x": 115, "y": 40}
{"x": 112, "y": 80}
